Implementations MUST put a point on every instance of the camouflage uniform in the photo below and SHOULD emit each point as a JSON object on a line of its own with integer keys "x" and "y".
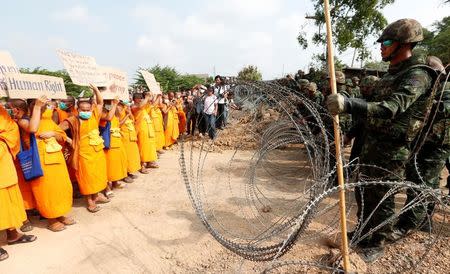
{"x": 356, "y": 91}
{"x": 431, "y": 159}
{"x": 302, "y": 83}
{"x": 313, "y": 94}
{"x": 345, "y": 120}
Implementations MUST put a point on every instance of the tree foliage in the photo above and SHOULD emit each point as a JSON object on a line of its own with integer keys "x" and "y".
{"x": 71, "y": 88}
{"x": 378, "y": 65}
{"x": 169, "y": 78}
{"x": 437, "y": 42}
{"x": 353, "y": 21}
{"x": 249, "y": 73}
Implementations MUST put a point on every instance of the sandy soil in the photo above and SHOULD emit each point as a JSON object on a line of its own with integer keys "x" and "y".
{"x": 150, "y": 227}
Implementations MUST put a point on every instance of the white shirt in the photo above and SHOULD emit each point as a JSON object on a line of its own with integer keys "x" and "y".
{"x": 219, "y": 91}
{"x": 209, "y": 107}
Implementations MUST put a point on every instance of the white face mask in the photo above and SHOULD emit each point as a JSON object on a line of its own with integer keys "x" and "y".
{"x": 107, "y": 107}
{"x": 166, "y": 101}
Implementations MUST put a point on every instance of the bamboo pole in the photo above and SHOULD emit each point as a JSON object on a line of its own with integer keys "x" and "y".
{"x": 337, "y": 142}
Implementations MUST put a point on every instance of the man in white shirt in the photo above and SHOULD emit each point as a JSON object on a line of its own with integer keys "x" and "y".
{"x": 221, "y": 90}
{"x": 210, "y": 112}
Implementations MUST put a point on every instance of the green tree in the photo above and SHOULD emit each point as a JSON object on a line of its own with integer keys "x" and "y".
{"x": 169, "y": 78}
{"x": 249, "y": 73}
{"x": 353, "y": 21}
{"x": 71, "y": 88}
{"x": 437, "y": 42}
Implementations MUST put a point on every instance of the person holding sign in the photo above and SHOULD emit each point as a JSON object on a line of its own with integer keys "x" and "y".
{"x": 116, "y": 156}
{"x": 157, "y": 117}
{"x": 12, "y": 211}
{"x": 129, "y": 138}
{"x": 88, "y": 158}
{"x": 53, "y": 191}
{"x": 145, "y": 130}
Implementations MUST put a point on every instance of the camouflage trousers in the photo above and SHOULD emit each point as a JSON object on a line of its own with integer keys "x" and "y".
{"x": 427, "y": 168}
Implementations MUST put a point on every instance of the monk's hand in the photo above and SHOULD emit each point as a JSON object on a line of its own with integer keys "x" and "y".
{"x": 47, "y": 134}
{"x": 41, "y": 101}
{"x": 94, "y": 88}
{"x": 115, "y": 101}
{"x": 69, "y": 141}
{"x": 335, "y": 103}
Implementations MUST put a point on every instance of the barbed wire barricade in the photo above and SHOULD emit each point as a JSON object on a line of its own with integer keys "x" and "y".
{"x": 266, "y": 188}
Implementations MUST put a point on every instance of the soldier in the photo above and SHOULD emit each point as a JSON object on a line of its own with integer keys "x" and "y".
{"x": 299, "y": 75}
{"x": 430, "y": 160}
{"x": 345, "y": 120}
{"x": 356, "y": 92}
{"x": 302, "y": 83}
{"x": 392, "y": 125}
{"x": 313, "y": 94}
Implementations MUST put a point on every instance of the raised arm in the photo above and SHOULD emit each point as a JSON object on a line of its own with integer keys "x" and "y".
{"x": 112, "y": 111}
{"x": 98, "y": 98}
{"x": 36, "y": 114}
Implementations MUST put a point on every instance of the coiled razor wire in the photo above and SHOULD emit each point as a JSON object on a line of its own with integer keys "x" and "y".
{"x": 260, "y": 202}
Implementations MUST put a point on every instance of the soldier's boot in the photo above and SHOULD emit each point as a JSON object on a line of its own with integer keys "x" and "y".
{"x": 397, "y": 234}
{"x": 373, "y": 249}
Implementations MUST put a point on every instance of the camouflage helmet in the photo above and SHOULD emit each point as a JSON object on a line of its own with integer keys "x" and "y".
{"x": 311, "y": 87}
{"x": 403, "y": 31}
{"x": 349, "y": 82}
{"x": 355, "y": 79}
{"x": 340, "y": 77}
{"x": 303, "y": 82}
{"x": 369, "y": 81}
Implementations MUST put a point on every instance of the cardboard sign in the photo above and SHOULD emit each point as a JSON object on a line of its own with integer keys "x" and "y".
{"x": 31, "y": 86}
{"x": 83, "y": 70}
{"x": 150, "y": 80}
{"x": 117, "y": 84}
{"x": 7, "y": 65}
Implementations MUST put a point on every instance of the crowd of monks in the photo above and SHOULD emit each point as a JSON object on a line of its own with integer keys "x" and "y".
{"x": 87, "y": 146}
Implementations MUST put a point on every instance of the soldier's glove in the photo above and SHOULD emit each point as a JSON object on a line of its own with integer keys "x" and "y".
{"x": 337, "y": 103}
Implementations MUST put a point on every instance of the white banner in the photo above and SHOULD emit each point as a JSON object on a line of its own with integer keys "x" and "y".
{"x": 7, "y": 65}
{"x": 150, "y": 80}
{"x": 83, "y": 70}
{"x": 29, "y": 86}
{"x": 117, "y": 83}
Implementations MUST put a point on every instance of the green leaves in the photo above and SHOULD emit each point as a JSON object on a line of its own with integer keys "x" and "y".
{"x": 250, "y": 73}
{"x": 437, "y": 42}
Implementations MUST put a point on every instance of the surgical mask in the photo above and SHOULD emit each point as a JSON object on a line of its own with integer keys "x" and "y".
{"x": 126, "y": 102}
{"x": 10, "y": 112}
{"x": 85, "y": 115}
{"x": 62, "y": 106}
{"x": 108, "y": 107}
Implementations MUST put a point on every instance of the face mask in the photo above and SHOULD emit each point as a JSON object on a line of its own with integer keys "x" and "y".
{"x": 108, "y": 107}
{"x": 85, "y": 115}
{"x": 62, "y": 106}
{"x": 126, "y": 102}
{"x": 166, "y": 101}
{"x": 10, "y": 112}
{"x": 50, "y": 107}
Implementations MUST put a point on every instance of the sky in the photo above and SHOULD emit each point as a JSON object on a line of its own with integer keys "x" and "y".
{"x": 211, "y": 36}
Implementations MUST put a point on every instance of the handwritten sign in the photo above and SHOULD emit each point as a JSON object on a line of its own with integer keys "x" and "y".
{"x": 82, "y": 69}
{"x": 117, "y": 84}
{"x": 7, "y": 65}
{"x": 21, "y": 85}
{"x": 150, "y": 80}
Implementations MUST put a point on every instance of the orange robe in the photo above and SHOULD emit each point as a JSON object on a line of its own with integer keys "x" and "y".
{"x": 53, "y": 191}
{"x": 158, "y": 122}
{"x": 146, "y": 135}
{"x": 181, "y": 117}
{"x": 91, "y": 170}
{"x": 171, "y": 131}
{"x": 116, "y": 155}
{"x": 129, "y": 140}
{"x": 63, "y": 115}
{"x": 12, "y": 211}
{"x": 25, "y": 187}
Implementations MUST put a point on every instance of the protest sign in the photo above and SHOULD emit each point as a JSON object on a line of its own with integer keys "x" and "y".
{"x": 28, "y": 86}
{"x": 7, "y": 65}
{"x": 150, "y": 80}
{"x": 83, "y": 70}
{"x": 117, "y": 84}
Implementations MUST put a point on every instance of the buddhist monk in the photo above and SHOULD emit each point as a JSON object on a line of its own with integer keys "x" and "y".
{"x": 145, "y": 130}
{"x": 116, "y": 155}
{"x": 158, "y": 121}
{"x": 19, "y": 109}
{"x": 129, "y": 138}
{"x": 53, "y": 191}
{"x": 88, "y": 158}
{"x": 181, "y": 114}
{"x": 12, "y": 211}
{"x": 171, "y": 131}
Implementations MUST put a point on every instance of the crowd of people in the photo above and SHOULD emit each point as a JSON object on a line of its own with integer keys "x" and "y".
{"x": 88, "y": 147}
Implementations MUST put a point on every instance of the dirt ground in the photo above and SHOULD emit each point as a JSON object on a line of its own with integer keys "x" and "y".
{"x": 150, "y": 227}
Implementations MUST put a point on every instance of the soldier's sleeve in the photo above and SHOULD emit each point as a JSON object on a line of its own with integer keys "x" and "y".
{"x": 411, "y": 87}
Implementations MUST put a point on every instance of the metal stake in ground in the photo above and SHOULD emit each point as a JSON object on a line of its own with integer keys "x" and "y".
{"x": 337, "y": 141}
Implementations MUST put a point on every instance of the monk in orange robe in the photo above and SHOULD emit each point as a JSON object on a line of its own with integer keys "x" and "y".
{"x": 88, "y": 158}
{"x": 145, "y": 130}
{"x": 181, "y": 114}
{"x": 12, "y": 211}
{"x": 158, "y": 122}
{"x": 116, "y": 156}
{"x": 53, "y": 191}
{"x": 129, "y": 138}
{"x": 171, "y": 131}
{"x": 20, "y": 113}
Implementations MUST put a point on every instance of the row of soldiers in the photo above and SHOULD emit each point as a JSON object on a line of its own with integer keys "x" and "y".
{"x": 400, "y": 124}
{"x": 89, "y": 144}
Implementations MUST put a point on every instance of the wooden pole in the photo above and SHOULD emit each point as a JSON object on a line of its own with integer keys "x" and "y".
{"x": 337, "y": 142}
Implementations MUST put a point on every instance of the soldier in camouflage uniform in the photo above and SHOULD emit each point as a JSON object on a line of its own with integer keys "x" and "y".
{"x": 356, "y": 88}
{"x": 313, "y": 94}
{"x": 302, "y": 83}
{"x": 345, "y": 120}
{"x": 430, "y": 160}
{"x": 393, "y": 119}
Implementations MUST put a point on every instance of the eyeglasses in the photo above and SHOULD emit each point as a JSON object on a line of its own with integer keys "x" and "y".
{"x": 387, "y": 43}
